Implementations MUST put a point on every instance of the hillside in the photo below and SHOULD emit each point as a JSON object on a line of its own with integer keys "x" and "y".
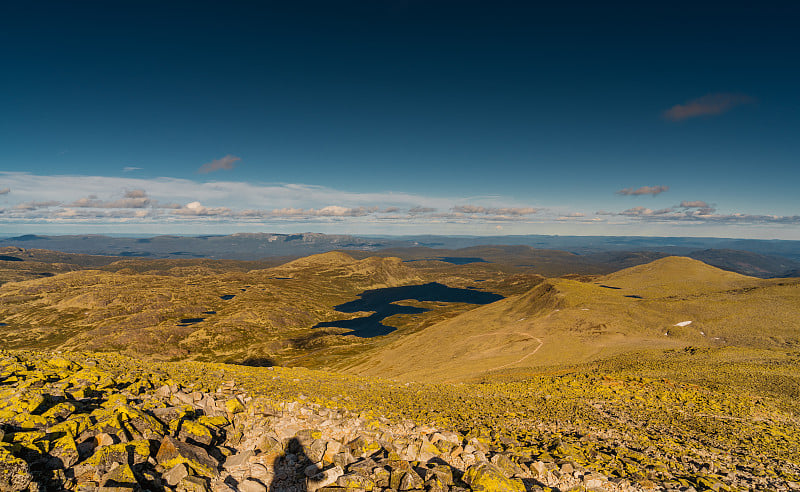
{"x": 563, "y": 321}
{"x": 189, "y": 313}
{"x": 671, "y": 375}
{"x": 18, "y": 264}
{"x": 554, "y": 263}
{"x": 294, "y": 313}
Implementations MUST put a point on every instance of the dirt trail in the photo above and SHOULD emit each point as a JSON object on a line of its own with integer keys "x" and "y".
{"x": 531, "y": 337}
{"x": 526, "y": 355}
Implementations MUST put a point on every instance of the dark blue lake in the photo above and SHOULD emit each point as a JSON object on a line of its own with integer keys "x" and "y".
{"x": 380, "y": 301}
{"x": 456, "y": 260}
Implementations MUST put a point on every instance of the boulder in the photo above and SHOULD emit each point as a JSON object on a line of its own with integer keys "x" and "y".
{"x": 355, "y": 481}
{"x": 14, "y": 473}
{"x": 193, "y": 484}
{"x": 172, "y": 452}
{"x": 324, "y": 478}
{"x": 251, "y": 485}
{"x": 103, "y": 458}
{"x": 486, "y": 477}
{"x": 195, "y": 432}
{"x": 411, "y": 481}
{"x": 241, "y": 458}
{"x": 119, "y": 479}
{"x": 64, "y": 452}
{"x": 175, "y": 474}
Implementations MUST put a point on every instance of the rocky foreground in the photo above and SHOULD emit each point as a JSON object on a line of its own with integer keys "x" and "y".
{"x": 85, "y": 422}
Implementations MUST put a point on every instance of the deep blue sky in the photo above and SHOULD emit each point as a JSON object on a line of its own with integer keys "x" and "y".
{"x": 506, "y": 106}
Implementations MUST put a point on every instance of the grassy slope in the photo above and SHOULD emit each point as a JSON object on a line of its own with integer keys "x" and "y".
{"x": 142, "y": 312}
{"x": 563, "y": 321}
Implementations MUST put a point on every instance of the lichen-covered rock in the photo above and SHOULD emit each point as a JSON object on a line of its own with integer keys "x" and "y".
{"x": 14, "y": 472}
{"x": 64, "y": 452}
{"x": 104, "y": 457}
{"x": 119, "y": 479}
{"x": 196, "y": 432}
{"x": 441, "y": 473}
{"x": 234, "y": 406}
{"x": 172, "y": 452}
{"x": 486, "y": 477}
{"x": 292, "y": 433}
{"x": 193, "y": 484}
{"x": 411, "y": 481}
{"x": 355, "y": 481}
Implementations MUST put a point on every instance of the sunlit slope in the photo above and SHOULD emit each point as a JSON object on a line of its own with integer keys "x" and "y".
{"x": 566, "y": 321}
{"x": 237, "y": 314}
{"x": 676, "y": 276}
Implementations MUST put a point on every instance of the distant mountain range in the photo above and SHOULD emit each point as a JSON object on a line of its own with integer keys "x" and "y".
{"x": 243, "y": 246}
{"x": 547, "y": 255}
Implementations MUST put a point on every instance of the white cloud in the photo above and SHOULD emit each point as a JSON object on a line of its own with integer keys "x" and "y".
{"x": 196, "y": 209}
{"x": 644, "y": 211}
{"x": 421, "y": 210}
{"x": 5, "y": 191}
{"x": 477, "y": 209}
{"x": 171, "y": 204}
{"x": 128, "y": 169}
{"x": 705, "y": 215}
{"x": 574, "y": 216}
{"x": 36, "y": 205}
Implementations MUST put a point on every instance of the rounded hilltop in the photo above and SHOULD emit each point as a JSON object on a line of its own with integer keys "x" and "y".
{"x": 676, "y": 275}
{"x": 330, "y": 258}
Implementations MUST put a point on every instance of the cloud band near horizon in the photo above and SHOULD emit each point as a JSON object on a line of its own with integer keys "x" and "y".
{"x": 125, "y": 201}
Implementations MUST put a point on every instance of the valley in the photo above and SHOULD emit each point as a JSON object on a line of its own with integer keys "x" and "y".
{"x": 669, "y": 374}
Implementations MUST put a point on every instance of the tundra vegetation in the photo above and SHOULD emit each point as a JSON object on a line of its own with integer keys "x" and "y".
{"x": 203, "y": 375}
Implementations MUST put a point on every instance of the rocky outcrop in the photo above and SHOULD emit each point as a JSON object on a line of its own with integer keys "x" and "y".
{"x": 75, "y": 426}
{"x": 75, "y": 423}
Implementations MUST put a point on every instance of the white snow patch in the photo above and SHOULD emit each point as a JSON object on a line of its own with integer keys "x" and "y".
{"x": 683, "y": 323}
